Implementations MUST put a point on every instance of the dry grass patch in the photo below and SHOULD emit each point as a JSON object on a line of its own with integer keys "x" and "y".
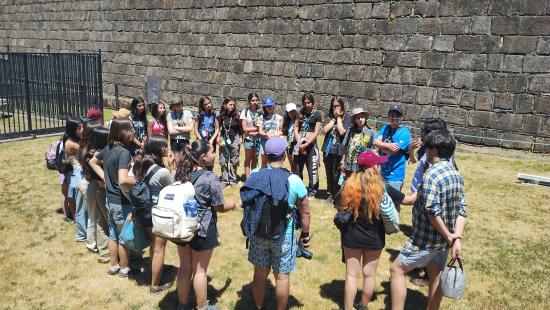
{"x": 505, "y": 248}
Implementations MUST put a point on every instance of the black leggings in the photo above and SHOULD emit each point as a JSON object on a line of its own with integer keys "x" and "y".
{"x": 312, "y": 159}
{"x": 332, "y": 169}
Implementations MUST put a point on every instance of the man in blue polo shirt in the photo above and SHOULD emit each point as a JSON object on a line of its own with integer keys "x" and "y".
{"x": 394, "y": 141}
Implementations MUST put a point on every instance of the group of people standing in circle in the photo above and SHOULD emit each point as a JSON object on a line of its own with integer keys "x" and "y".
{"x": 363, "y": 168}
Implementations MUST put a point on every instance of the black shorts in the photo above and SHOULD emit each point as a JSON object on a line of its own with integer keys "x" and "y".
{"x": 144, "y": 217}
{"x": 204, "y": 243}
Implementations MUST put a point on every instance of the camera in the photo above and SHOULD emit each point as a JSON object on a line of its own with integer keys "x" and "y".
{"x": 302, "y": 251}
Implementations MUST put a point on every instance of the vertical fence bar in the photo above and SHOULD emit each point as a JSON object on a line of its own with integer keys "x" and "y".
{"x": 100, "y": 80}
{"x": 27, "y": 93}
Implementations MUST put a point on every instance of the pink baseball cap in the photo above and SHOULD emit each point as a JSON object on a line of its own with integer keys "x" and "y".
{"x": 94, "y": 114}
{"x": 369, "y": 159}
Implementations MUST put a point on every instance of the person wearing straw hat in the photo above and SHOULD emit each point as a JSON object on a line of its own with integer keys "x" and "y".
{"x": 394, "y": 141}
{"x": 357, "y": 139}
{"x": 180, "y": 124}
{"x": 120, "y": 113}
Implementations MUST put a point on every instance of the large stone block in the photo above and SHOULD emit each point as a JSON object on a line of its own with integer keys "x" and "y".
{"x": 484, "y": 101}
{"x": 467, "y": 99}
{"x": 453, "y": 115}
{"x": 481, "y": 119}
{"x": 443, "y": 43}
{"x": 425, "y": 95}
{"x": 448, "y": 96}
{"x": 542, "y": 105}
{"x": 536, "y": 64}
{"x": 504, "y": 101}
{"x": 539, "y": 83}
{"x": 543, "y": 46}
{"x": 466, "y": 61}
{"x": 441, "y": 78}
{"x": 531, "y": 124}
{"x": 524, "y": 103}
{"x": 401, "y": 8}
{"x": 420, "y": 43}
{"x": 509, "y": 122}
{"x": 535, "y": 25}
{"x": 381, "y": 10}
{"x": 513, "y": 63}
{"x": 432, "y": 60}
{"x": 505, "y": 25}
{"x": 426, "y": 8}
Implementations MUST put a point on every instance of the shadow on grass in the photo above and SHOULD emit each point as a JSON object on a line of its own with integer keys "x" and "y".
{"x": 170, "y": 300}
{"x": 59, "y": 211}
{"x": 415, "y": 299}
{"x": 246, "y": 301}
{"x": 335, "y": 292}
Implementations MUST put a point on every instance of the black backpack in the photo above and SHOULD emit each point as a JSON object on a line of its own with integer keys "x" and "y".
{"x": 140, "y": 197}
{"x": 61, "y": 158}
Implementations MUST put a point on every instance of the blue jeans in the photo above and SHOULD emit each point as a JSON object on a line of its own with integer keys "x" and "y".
{"x": 397, "y": 185}
{"x": 81, "y": 216}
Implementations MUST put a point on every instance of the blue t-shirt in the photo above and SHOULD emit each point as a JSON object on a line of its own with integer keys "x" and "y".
{"x": 206, "y": 125}
{"x": 394, "y": 168}
{"x": 296, "y": 190}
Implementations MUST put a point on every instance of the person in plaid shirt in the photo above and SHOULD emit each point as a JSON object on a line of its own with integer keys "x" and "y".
{"x": 439, "y": 215}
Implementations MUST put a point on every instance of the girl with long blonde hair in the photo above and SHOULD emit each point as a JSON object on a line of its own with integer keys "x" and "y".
{"x": 364, "y": 196}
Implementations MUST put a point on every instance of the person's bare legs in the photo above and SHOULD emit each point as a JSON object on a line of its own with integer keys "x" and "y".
{"x": 434, "y": 294}
{"x": 201, "y": 259}
{"x": 184, "y": 274}
{"x": 250, "y": 161}
{"x": 370, "y": 263}
{"x": 113, "y": 253}
{"x": 291, "y": 163}
{"x": 353, "y": 267}
{"x": 123, "y": 254}
{"x": 156, "y": 251}
{"x": 264, "y": 161}
{"x": 282, "y": 289}
{"x": 398, "y": 273}
{"x": 258, "y": 285}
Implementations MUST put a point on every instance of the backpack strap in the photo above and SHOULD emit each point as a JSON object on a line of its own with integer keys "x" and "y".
{"x": 196, "y": 175}
{"x": 151, "y": 174}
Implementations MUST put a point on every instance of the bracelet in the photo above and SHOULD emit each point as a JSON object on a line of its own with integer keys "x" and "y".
{"x": 304, "y": 235}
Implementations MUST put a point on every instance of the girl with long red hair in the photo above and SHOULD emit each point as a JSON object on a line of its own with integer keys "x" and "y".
{"x": 364, "y": 196}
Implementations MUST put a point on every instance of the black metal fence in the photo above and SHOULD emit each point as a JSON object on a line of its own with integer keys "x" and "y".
{"x": 39, "y": 90}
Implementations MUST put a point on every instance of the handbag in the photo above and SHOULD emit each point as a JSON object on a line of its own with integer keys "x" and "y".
{"x": 342, "y": 219}
{"x": 453, "y": 279}
{"x": 133, "y": 235}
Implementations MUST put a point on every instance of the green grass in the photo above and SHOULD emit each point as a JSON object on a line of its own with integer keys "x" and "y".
{"x": 505, "y": 248}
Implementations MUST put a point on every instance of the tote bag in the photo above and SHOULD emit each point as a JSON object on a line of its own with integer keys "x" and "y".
{"x": 134, "y": 236}
{"x": 453, "y": 279}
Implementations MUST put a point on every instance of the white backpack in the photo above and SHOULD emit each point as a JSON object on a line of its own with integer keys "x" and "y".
{"x": 169, "y": 219}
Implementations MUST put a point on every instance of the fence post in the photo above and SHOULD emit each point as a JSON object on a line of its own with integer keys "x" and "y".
{"x": 117, "y": 103}
{"x": 100, "y": 82}
{"x": 27, "y": 93}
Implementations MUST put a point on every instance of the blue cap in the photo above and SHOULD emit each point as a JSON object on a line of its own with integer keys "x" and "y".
{"x": 269, "y": 102}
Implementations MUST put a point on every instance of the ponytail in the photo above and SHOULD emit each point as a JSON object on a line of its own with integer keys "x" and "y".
{"x": 190, "y": 159}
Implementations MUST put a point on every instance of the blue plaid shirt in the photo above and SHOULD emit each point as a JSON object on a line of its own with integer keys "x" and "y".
{"x": 441, "y": 194}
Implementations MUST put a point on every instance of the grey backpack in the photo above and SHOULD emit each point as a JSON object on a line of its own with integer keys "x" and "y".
{"x": 453, "y": 280}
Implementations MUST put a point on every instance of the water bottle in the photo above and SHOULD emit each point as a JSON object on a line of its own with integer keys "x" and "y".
{"x": 191, "y": 207}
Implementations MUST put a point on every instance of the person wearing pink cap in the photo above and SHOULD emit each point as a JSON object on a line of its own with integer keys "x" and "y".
{"x": 363, "y": 238}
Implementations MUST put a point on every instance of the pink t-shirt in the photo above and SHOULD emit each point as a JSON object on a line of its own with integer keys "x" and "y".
{"x": 158, "y": 128}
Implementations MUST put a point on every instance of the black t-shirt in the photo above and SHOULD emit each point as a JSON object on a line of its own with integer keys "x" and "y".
{"x": 336, "y": 146}
{"x": 309, "y": 121}
{"x": 229, "y": 125}
{"x": 395, "y": 195}
{"x": 114, "y": 158}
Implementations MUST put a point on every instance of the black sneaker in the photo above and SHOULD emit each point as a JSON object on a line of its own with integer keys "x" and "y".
{"x": 160, "y": 288}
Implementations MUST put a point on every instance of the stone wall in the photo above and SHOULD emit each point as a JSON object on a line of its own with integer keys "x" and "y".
{"x": 481, "y": 65}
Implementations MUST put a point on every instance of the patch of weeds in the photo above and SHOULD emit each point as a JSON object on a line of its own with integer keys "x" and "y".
{"x": 40, "y": 271}
{"x": 72, "y": 288}
{"x": 2, "y": 227}
{"x": 117, "y": 295}
{"x": 320, "y": 257}
{"x": 391, "y": 18}
{"x": 77, "y": 254}
{"x": 34, "y": 244}
{"x": 135, "y": 306}
{"x": 50, "y": 237}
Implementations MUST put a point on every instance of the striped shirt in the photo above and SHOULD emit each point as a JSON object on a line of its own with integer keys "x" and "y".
{"x": 441, "y": 194}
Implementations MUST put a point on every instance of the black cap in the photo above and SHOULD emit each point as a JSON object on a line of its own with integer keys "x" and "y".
{"x": 397, "y": 108}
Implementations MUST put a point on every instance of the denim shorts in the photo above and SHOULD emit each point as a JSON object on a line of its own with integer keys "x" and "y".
{"x": 277, "y": 254}
{"x": 262, "y": 146}
{"x": 249, "y": 143}
{"x": 116, "y": 215}
{"x": 74, "y": 182}
{"x": 419, "y": 258}
{"x": 397, "y": 185}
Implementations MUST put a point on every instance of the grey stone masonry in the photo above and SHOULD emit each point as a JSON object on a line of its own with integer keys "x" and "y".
{"x": 482, "y": 65}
